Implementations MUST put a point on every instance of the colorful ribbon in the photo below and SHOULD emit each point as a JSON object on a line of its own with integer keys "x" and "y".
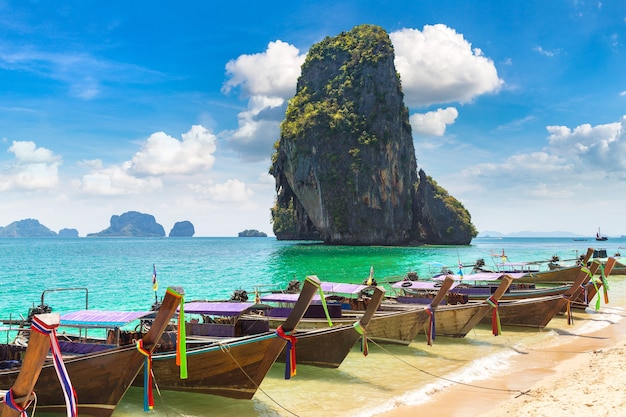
{"x": 181, "y": 335}
{"x": 568, "y": 310}
{"x": 430, "y": 332}
{"x": 595, "y": 285}
{"x": 361, "y": 330}
{"x": 605, "y": 284}
{"x": 319, "y": 287}
{"x": 10, "y": 401}
{"x": 148, "y": 395}
{"x": 71, "y": 403}
{"x": 496, "y": 328}
{"x": 290, "y": 352}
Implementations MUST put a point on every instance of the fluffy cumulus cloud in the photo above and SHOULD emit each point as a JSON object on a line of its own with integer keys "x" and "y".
{"x": 160, "y": 156}
{"x": 116, "y": 180}
{"x": 32, "y": 169}
{"x": 600, "y": 146}
{"x": 571, "y": 158}
{"x": 433, "y": 123}
{"x": 231, "y": 191}
{"x": 437, "y": 65}
{"x": 267, "y": 80}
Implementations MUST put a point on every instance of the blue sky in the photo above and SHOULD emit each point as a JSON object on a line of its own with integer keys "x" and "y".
{"x": 517, "y": 108}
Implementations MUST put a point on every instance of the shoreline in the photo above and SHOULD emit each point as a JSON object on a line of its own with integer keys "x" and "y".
{"x": 581, "y": 376}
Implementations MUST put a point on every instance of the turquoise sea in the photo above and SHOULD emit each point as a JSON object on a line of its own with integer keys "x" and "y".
{"x": 118, "y": 275}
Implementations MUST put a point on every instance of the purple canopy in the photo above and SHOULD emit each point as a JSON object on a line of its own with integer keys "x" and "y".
{"x": 420, "y": 285}
{"x": 336, "y": 287}
{"x": 480, "y": 276}
{"x": 99, "y": 318}
{"x": 284, "y": 298}
{"x": 217, "y": 308}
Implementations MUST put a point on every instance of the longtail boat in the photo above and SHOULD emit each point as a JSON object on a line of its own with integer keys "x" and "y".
{"x": 398, "y": 326}
{"x": 24, "y": 373}
{"x": 101, "y": 377}
{"x": 328, "y": 347}
{"x": 231, "y": 367}
{"x": 530, "y": 272}
{"x": 538, "y": 312}
{"x": 400, "y": 323}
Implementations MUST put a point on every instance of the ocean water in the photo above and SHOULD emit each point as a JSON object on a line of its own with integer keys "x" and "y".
{"x": 117, "y": 274}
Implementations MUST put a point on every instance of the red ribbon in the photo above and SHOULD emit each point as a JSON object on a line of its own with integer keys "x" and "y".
{"x": 290, "y": 353}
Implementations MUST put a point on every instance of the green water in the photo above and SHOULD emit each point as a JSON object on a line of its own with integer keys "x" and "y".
{"x": 118, "y": 275}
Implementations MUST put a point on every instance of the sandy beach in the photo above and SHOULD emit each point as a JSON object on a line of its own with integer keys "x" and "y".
{"x": 583, "y": 376}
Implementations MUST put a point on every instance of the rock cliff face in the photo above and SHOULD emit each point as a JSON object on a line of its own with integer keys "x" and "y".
{"x": 182, "y": 229}
{"x": 26, "y": 228}
{"x": 344, "y": 165}
{"x": 132, "y": 224}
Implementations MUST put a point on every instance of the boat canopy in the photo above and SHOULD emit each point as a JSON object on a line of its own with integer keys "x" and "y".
{"x": 217, "y": 308}
{"x": 101, "y": 319}
{"x": 337, "y": 287}
{"x": 420, "y": 285}
{"x": 480, "y": 276}
{"x": 285, "y": 298}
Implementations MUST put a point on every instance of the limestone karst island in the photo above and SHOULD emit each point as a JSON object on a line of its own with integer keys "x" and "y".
{"x": 345, "y": 165}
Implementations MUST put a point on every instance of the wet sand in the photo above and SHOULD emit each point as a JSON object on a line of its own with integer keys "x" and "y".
{"x": 581, "y": 376}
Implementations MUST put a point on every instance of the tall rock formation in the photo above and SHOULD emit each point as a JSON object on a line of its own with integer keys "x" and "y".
{"x": 345, "y": 166}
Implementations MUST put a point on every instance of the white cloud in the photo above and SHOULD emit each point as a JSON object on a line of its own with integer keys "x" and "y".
{"x": 433, "y": 123}
{"x": 600, "y": 146}
{"x": 159, "y": 157}
{"x": 544, "y": 52}
{"x": 33, "y": 169}
{"x": 267, "y": 80}
{"x": 437, "y": 65}
{"x": 273, "y": 73}
{"x": 232, "y": 191}
{"x": 162, "y": 154}
{"x": 116, "y": 180}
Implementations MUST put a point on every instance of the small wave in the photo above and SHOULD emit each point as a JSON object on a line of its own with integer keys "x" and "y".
{"x": 477, "y": 370}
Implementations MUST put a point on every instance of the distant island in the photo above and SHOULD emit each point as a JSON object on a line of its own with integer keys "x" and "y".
{"x": 26, "y": 228}
{"x": 182, "y": 229}
{"x": 252, "y": 233}
{"x": 129, "y": 224}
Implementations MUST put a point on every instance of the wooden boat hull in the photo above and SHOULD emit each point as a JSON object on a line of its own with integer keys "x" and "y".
{"x": 232, "y": 369}
{"x": 457, "y": 320}
{"x": 531, "y": 312}
{"x": 101, "y": 379}
{"x": 326, "y": 348}
{"x": 522, "y": 294}
{"x": 565, "y": 275}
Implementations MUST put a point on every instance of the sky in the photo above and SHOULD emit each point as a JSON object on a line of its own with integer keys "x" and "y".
{"x": 518, "y": 109}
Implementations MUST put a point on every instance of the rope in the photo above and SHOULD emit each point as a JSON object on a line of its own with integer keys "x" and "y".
{"x": 10, "y": 402}
{"x": 225, "y": 347}
{"x": 451, "y": 380}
